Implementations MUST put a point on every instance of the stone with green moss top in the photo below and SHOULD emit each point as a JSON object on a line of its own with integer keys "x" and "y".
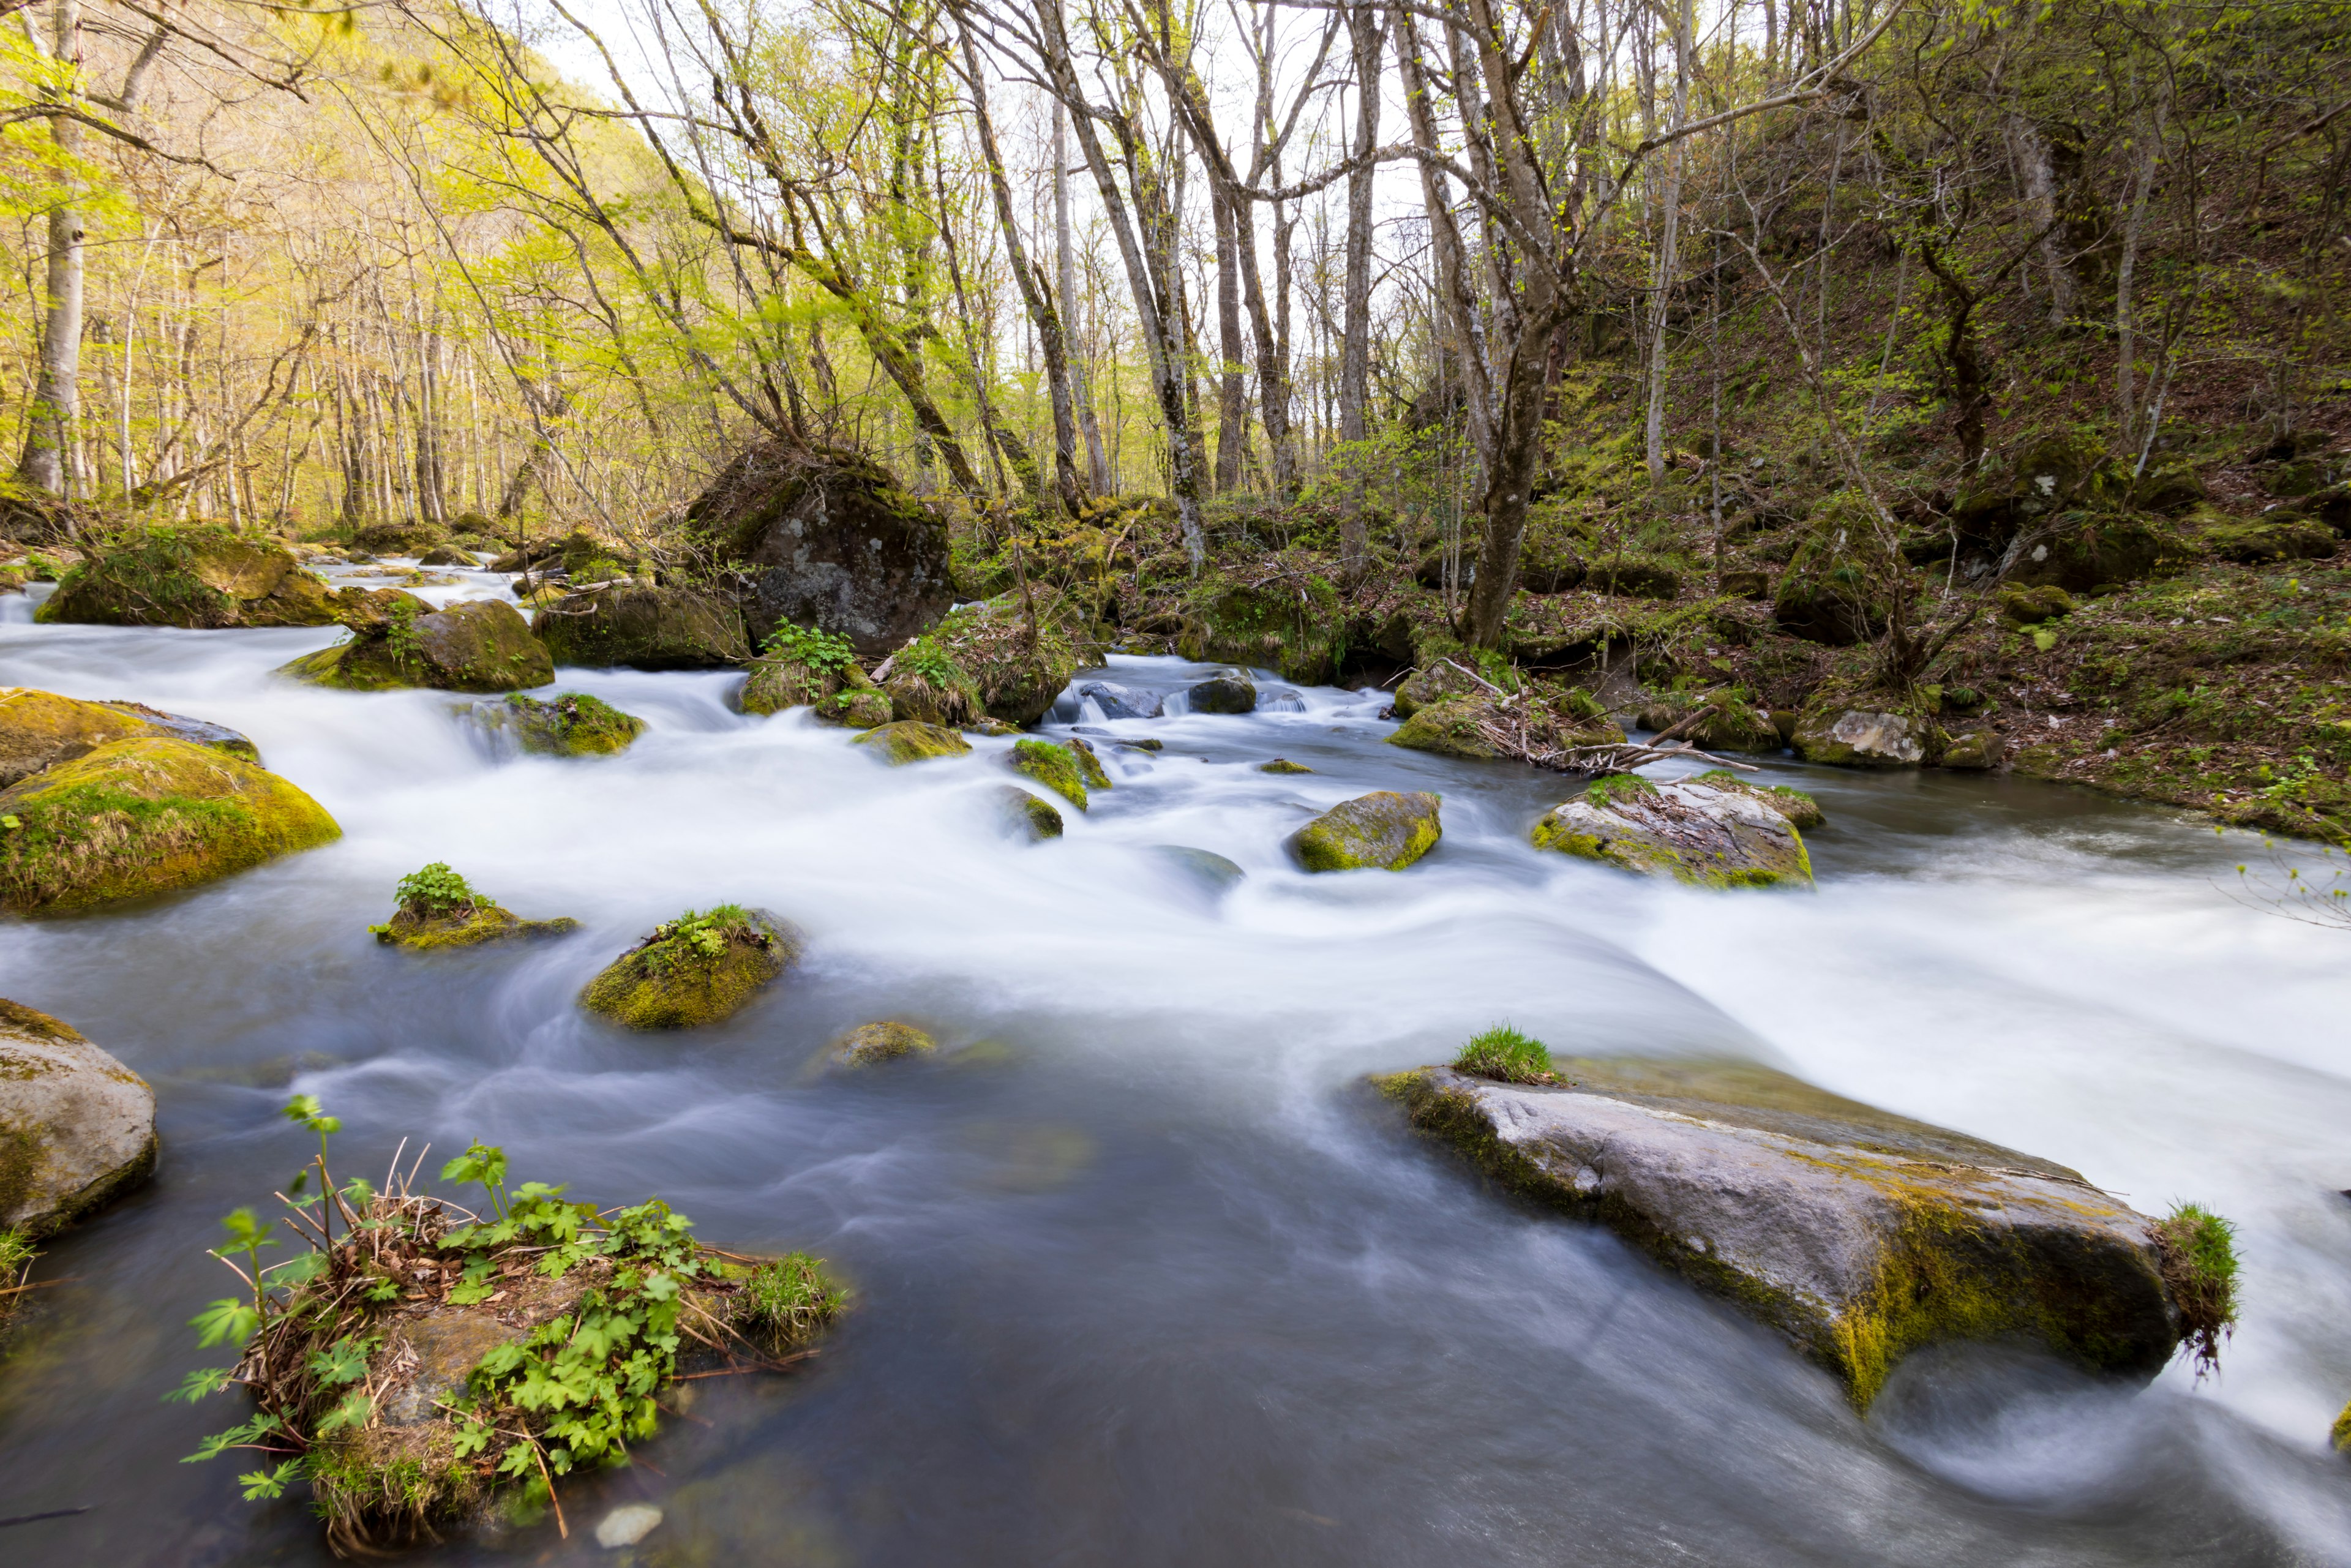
{"x": 142, "y": 816}
{"x": 1523, "y": 721}
{"x": 700, "y": 968}
{"x": 478, "y": 646}
{"x": 1870, "y": 731}
{"x": 1024, "y": 816}
{"x": 200, "y": 575}
{"x": 641, "y": 627}
{"x": 1860, "y": 1236}
{"x": 76, "y": 1127}
{"x": 810, "y": 671}
{"x": 910, "y": 741}
{"x": 39, "y": 729}
{"x": 1383, "y": 829}
{"x": 1055, "y": 767}
{"x": 1284, "y": 765}
{"x": 438, "y": 908}
{"x": 1090, "y": 764}
{"x": 1801, "y": 809}
{"x": 1696, "y": 830}
{"x": 1435, "y": 682}
{"x": 871, "y": 1044}
{"x": 571, "y": 724}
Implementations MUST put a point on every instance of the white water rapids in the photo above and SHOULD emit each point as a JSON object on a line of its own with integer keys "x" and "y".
{"x": 1143, "y": 1275}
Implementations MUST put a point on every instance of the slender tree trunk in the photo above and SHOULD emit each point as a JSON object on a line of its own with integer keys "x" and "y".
{"x": 50, "y": 448}
{"x": 1366, "y": 34}
{"x": 1232, "y": 397}
{"x": 1668, "y": 260}
{"x": 1065, "y": 257}
{"x": 2038, "y": 178}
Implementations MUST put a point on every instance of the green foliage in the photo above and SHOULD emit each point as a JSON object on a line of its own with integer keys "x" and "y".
{"x": 695, "y": 937}
{"x": 437, "y": 890}
{"x": 925, "y": 660}
{"x": 16, "y": 1252}
{"x": 825, "y": 652}
{"x": 2199, "y": 1258}
{"x": 401, "y": 638}
{"x": 1504, "y": 1053}
{"x": 791, "y": 1298}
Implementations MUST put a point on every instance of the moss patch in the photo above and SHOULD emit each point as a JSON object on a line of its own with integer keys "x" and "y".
{"x": 698, "y": 969}
{"x": 1054, "y": 767}
{"x": 904, "y": 741}
{"x": 572, "y": 724}
{"x": 1383, "y": 829}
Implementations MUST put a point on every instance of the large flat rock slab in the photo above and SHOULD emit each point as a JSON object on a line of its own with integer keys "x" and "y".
{"x": 1861, "y": 1235}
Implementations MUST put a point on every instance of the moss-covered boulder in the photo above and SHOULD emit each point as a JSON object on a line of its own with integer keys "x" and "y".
{"x": 642, "y": 628}
{"x": 1859, "y": 1235}
{"x": 478, "y": 646}
{"x": 1382, "y": 830}
{"x": 1024, "y": 816}
{"x": 143, "y": 816}
{"x": 202, "y": 575}
{"x": 39, "y": 729}
{"x": 2278, "y": 537}
{"x": 1226, "y": 692}
{"x": 1634, "y": 575}
{"x": 901, "y": 743}
{"x": 1724, "y": 722}
{"x": 438, "y": 908}
{"x": 871, "y": 1044}
{"x": 571, "y": 724}
{"x": 76, "y": 1127}
{"x": 1297, "y": 628}
{"x": 1435, "y": 681}
{"x": 1521, "y": 725}
{"x": 1090, "y": 763}
{"x": 1700, "y": 831}
{"x": 808, "y": 672}
{"x": 1284, "y": 766}
{"x": 406, "y": 536}
{"x": 1801, "y": 811}
{"x": 1015, "y": 670}
{"x": 698, "y": 969}
{"x": 1057, "y": 768}
{"x": 1867, "y": 730}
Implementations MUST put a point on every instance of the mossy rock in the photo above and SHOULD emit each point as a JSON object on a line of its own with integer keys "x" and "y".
{"x": 1801, "y": 809}
{"x": 478, "y": 646}
{"x": 202, "y": 576}
{"x": 76, "y": 1127}
{"x": 1865, "y": 730}
{"x": 1634, "y": 577}
{"x": 2341, "y": 1435}
{"x": 142, "y": 816}
{"x": 845, "y": 696}
{"x": 1859, "y": 1235}
{"x": 2277, "y": 538}
{"x": 370, "y": 612}
{"x": 1435, "y": 681}
{"x": 1460, "y": 726}
{"x": 1226, "y": 692}
{"x": 1284, "y": 765}
{"x": 871, "y": 1044}
{"x": 644, "y": 628}
{"x": 1054, "y": 767}
{"x": 1698, "y": 831}
{"x": 413, "y": 537}
{"x": 571, "y": 724}
{"x": 901, "y": 743}
{"x": 1090, "y": 764}
{"x": 39, "y": 729}
{"x": 2026, "y": 605}
{"x": 424, "y": 928}
{"x": 1024, "y": 816}
{"x": 698, "y": 969}
{"x": 1298, "y": 631}
{"x": 1016, "y": 671}
{"x": 1383, "y": 829}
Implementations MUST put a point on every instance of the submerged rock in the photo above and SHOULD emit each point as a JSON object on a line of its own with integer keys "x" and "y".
{"x": 642, "y": 628}
{"x": 1704, "y": 831}
{"x": 1213, "y": 872}
{"x": 142, "y": 816}
{"x": 1284, "y": 765}
{"x": 1228, "y": 691}
{"x": 698, "y": 969}
{"x": 39, "y": 729}
{"x": 202, "y": 575}
{"x": 1024, "y": 816}
{"x": 1860, "y": 1236}
{"x": 479, "y": 645}
{"x": 76, "y": 1127}
{"x": 869, "y": 1044}
{"x": 909, "y": 741}
{"x": 1057, "y": 768}
{"x": 571, "y": 724}
{"x": 1121, "y": 702}
{"x": 1382, "y": 830}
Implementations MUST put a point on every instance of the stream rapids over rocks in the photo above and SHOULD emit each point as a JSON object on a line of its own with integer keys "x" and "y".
{"x": 1143, "y": 1273}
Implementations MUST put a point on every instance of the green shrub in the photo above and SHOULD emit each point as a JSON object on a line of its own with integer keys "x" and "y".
{"x": 1503, "y": 1052}
{"x": 822, "y": 651}
{"x": 437, "y": 890}
{"x": 2198, "y": 1255}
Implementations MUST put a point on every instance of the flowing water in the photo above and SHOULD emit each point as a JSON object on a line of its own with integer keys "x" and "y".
{"x": 1145, "y": 1275}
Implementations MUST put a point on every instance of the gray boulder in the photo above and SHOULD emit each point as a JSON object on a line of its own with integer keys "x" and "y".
{"x": 1708, "y": 832}
{"x": 1227, "y": 691}
{"x": 1121, "y": 702}
{"x": 1860, "y": 1236}
{"x": 76, "y": 1127}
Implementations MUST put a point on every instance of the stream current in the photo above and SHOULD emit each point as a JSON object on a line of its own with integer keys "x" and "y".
{"x": 1144, "y": 1274}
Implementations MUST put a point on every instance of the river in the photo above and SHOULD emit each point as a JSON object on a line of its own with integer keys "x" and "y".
{"x": 1143, "y": 1275}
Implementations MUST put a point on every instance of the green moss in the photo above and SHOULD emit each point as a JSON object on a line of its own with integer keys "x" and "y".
{"x": 1284, "y": 765}
{"x": 1055, "y": 767}
{"x": 1502, "y": 1052}
{"x": 1801, "y": 809}
{"x": 872, "y": 1043}
{"x": 438, "y": 908}
{"x": 143, "y": 816}
{"x": 572, "y": 724}
{"x": 908, "y": 741}
{"x": 698, "y": 969}
{"x": 2341, "y": 1435}
{"x": 1090, "y": 767}
{"x": 1383, "y": 831}
{"x": 1295, "y": 625}
{"x": 1617, "y": 787}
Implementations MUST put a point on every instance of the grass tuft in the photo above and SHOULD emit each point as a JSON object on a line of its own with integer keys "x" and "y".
{"x": 2198, "y": 1255}
{"x": 1504, "y": 1053}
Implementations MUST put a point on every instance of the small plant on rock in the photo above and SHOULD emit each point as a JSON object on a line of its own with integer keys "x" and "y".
{"x": 16, "y": 1256}
{"x": 437, "y": 890}
{"x": 1502, "y": 1052}
{"x": 2197, "y": 1254}
{"x": 826, "y": 652}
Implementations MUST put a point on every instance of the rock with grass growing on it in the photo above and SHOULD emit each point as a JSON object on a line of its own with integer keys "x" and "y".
{"x": 908, "y": 741}
{"x": 801, "y": 666}
{"x": 1090, "y": 763}
{"x": 1055, "y": 767}
{"x": 76, "y": 1127}
{"x": 202, "y": 576}
{"x": 39, "y": 729}
{"x": 477, "y": 646}
{"x": 571, "y": 724}
{"x": 638, "y": 627}
{"x": 438, "y": 908}
{"x": 1507, "y": 1056}
{"x": 871, "y": 1044}
{"x": 1435, "y": 681}
{"x": 142, "y": 816}
{"x": 1383, "y": 829}
{"x": 2196, "y": 1251}
{"x": 1024, "y": 816}
{"x": 1520, "y": 725}
{"x": 1859, "y": 1235}
{"x": 699, "y": 968}
{"x": 1696, "y": 830}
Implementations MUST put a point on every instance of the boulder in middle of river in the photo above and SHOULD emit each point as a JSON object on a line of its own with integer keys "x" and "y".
{"x": 39, "y": 729}
{"x": 699, "y": 968}
{"x": 200, "y": 575}
{"x": 76, "y": 1127}
{"x": 644, "y": 628}
{"x": 1860, "y": 1236}
{"x": 910, "y": 741}
{"x": 1708, "y": 832}
{"x": 438, "y": 908}
{"x": 569, "y": 724}
{"x": 477, "y": 646}
{"x": 1227, "y": 691}
{"x": 1067, "y": 770}
{"x": 1382, "y": 830}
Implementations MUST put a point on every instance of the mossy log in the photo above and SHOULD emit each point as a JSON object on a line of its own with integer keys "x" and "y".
{"x": 1860, "y": 1235}
{"x": 143, "y": 816}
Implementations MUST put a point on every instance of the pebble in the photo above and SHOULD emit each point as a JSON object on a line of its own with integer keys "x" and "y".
{"x": 627, "y": 1525}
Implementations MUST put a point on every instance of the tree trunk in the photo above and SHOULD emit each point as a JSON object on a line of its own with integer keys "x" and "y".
{"x": 1668, "y": 260}
{"x": 2037, "y": 178}
{"x": 1232, "y": 397}
{"x": 52, "y": 450}
{"x": 1365, "y": 32}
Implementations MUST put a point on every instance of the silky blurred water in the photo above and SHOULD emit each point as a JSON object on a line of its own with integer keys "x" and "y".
{"x": 1144, "y": 1274}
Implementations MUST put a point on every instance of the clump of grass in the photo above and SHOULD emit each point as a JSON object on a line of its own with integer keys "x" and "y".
{"x": 791, "y": 1298}
{"x": 16, "y": 1256}
{"x": 2197, "y": 1252}
{"x": 1504, "y": 1053}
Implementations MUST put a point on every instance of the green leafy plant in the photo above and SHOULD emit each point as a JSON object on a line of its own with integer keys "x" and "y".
{"x": 1504, "y": 1053}
{"x": 16, "y": 1256}
{"x": 401, "y": 637}
{"x": 697, "y": 935}
{"x": 926, "y": 661}
{"x": 437, "y": 890}
{"x": 2197, "y": 1252}
{"x": 825, "y": 652}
